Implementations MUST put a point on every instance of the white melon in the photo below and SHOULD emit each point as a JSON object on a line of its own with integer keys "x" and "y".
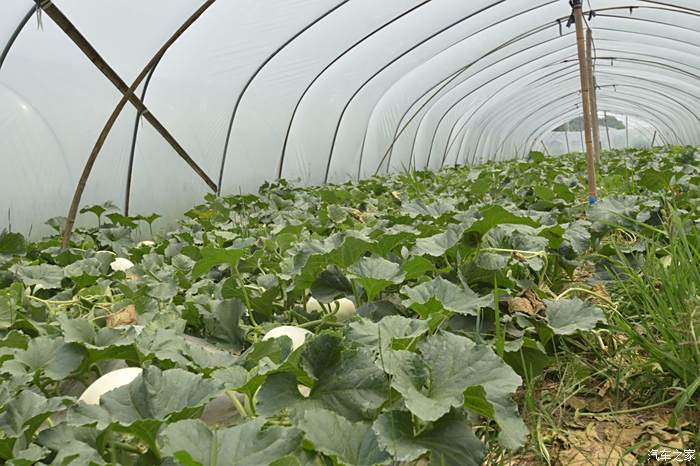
{"x": 121, "y": 264}
{"x": 109, "y": 382}
{"x": 343, "y": 308}
{"x": 296, "y": 334}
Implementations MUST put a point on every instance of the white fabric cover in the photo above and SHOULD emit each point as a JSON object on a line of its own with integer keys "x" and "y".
{"x": 321, "y": 91}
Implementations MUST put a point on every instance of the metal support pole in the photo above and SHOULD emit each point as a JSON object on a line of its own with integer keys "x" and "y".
{"x": 583, "y": 141}
{"x": 566, "y": 136}
{"x": 607, "y": 130}
{"x": 627, "y": 130}
{"x": 593, "y": 95}
{"x": 585, "y": 97}
{"x": 653, "y": 140}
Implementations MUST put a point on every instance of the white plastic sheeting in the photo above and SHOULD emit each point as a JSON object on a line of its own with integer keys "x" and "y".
{"x": 318, "y": 90}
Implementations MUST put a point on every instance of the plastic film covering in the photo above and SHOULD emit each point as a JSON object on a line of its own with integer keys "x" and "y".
{"x": 321, "y": 91}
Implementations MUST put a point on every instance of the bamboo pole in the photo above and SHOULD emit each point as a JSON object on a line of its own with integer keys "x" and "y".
{"x": 607, "y": 129}
{"x": 128, "y": 96}
{"x": 546, "y": 151}
{"x": 566, "y": 137}
{"x": 585, "y": 97}
{"x": 593, "y": 95}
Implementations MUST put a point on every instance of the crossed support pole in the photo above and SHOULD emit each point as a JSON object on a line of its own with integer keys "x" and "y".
{"x": 586, "y": 80}
{"x": 128, "y": 96}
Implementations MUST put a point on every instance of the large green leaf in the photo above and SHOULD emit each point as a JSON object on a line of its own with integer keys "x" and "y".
{"x": 612, "y": 211}
{"x": 27, "y": 411}
{"x": 159, "y": 395}
{"x": 568, "y": 316}
{"x": 437, "y": 245}
{"x": 45, "y": 276}
{"x": 331, "y": 284}
{"x": 434, "y": 380}
{"x": 376, "y": 274}
{"x": 191, "y": 442}
{"x": 12, "y": 244}
{"x": 450, "y": 441}
{"x": 497, "y": 215}
{"x": 346, "y": 381}
{"x": 212, "y": 256}
{"x": 437, "y": 294}
{"x": 353, "y": 443}
{"x": 384, "y": 333}
{"x": 50, "y": 357}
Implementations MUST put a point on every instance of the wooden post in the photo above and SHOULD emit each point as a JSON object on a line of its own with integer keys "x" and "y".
{"x": 585, "y": 97}
{"x": 593, "y": 95}
{"x": 607, "y": 130}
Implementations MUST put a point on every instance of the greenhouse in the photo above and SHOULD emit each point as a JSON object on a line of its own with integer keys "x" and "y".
{"x": 349, "y": 232}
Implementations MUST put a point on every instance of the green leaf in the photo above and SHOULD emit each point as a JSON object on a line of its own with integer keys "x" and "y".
{"x": 438, "y": 294}
{"x": 417, "y": 267}
{"x": 51, "y": 357}
{"x": 29, "y": 456}
{"x": 434, "y": 381}
{"x": 46, "y": 276}
{"x": 159, "y": 395}
{"x": 191, "y": 442}
{"x": 612, "y": 211}
{"x": 450, "y": 441}
{"x": 497, "y": 215}
{"x": 346, "y": 381}
{"x": 12, "y": 244}
{"x": 8, "y": 312}
{"x": 212, "y": 256}
{"x": 388, "y": 330}
{"x": 330, "y": 285}
{"x": 353, "y": 443}
{"x": 437, "y": 245}
{"x": 27, "y": 411}
{"x": 375, "y": 274}
{"x": 568, "y": 316}
{"x": 434, "y": 210}
{"x": 225, "y": 323}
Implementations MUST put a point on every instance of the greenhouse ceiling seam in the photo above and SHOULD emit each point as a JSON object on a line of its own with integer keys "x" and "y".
{"x": 15, "y": 34}
{"x": 255, "y": 75}
{"x": 280, "y": 163}
{"x": 602, "y": 9}
{"x": 607, "y": 28}
{"x": 397, "y": 133}
{"x": 519, "y": 109}
{"x": 387, "y": 65}
{"x": 621, "y": 30}
{"x": 132, "y": 150}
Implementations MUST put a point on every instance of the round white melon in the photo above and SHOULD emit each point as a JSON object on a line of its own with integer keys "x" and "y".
{"x": 343, "y": 308}
{"x": 109, "y": 382}
{"x": 296, "y": 334}
{"x": 120, "y": 264}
